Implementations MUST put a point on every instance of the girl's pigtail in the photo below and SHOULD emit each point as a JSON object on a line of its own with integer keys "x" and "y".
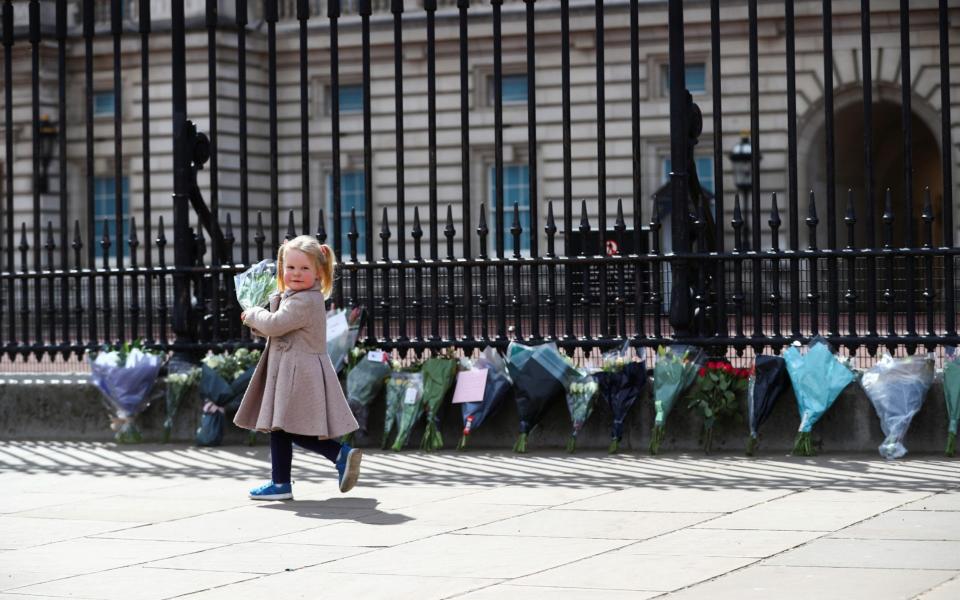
{"x": 281, "y": 287}
{"x": 327, "y": 266}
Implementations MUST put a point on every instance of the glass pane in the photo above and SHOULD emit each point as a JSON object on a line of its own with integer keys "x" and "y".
{"x": 516, "y": 189}
{"x": 352, "y": 196}
{"x": 514, "y": 88}
{"x": 695, "y": 74}
{"x": 696, "y": 78}
{"x": 351, "y": 98}
{"x": 103, "y": 103}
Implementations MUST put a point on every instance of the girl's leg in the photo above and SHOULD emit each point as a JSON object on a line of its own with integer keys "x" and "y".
{"x": 281, "y": 455}
{"x": 328, "y": 448}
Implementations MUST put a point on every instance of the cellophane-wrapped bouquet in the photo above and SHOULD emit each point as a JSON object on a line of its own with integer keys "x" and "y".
{"x": 495, "y": 390}
{"x": 439, "y": 374}
{"x": 951, "y": 395}
{"x": 181, "y": 378}
{"x": 124, "y": 375}
{"x": 674, "y": 372}
{"x": 580, "y": 400}
{"x": 817, "y": 378}
{"x": 365, "y": 380}
{"x": 255, "y": 285}
{"x": 540, "y": 375}
{"x": 897, "y": 388}
{"x": 343, "y": 329}
{"x": 621, "y": 380}
{"x": 409, "y": 407}
{"x": 223, "y": 381}
{"x": 404, "y": 403}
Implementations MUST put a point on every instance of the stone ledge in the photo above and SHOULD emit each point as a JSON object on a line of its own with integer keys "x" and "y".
{"x": 69, "y": 408}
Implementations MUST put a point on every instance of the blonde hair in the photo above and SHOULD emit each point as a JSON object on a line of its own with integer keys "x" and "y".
{"x": 323, "y": 261}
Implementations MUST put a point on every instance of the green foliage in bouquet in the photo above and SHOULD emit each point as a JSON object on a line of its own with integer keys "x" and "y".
{"x": 439, "y": 375}
{"x": 580, "y": 402}
{"x": 715, "y": 395}
{"x": 178, "y": 384}
{"x": 255, "y": 285}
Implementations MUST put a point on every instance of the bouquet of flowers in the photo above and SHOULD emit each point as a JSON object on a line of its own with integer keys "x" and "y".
{"x": 343, "y": 329}
{"x": 951, "y": 395}
{"x": 897, "y": 388}
{"x": 817, "y": 377}
{"x": 404, "y": 404}
{"x": 439, "y": 375}
{"x": 496, "y": 387}
{"x": 715, "y": 394}
{"x": 540, "y": 375}
{"x": 365, "y": 382}
{"x": 255, "y": 285}
{"x": 580, "y": 397}
{"x": 124, "y": 375}
{"x": 620, "y": 381}
{"x": 767, "y": 383}
{"x": 223, "y": 380}
{"x": 674, "y": 372}
{"x": 180, "y": 379}
{"x": 401, "y": 387}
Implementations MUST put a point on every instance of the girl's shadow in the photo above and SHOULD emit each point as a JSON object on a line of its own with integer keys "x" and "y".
{"x": 360, "y": 510}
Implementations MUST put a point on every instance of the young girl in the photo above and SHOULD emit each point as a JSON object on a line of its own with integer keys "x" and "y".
{"x": 294, "y": 393}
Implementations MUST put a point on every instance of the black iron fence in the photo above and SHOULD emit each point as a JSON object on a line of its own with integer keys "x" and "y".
{"x": 875, "y": 268}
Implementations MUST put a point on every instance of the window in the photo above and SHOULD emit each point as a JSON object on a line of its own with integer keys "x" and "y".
{"x": 350, "y": 98}
{"x": 352, "y": 196}
{"x": 696, "y": 76}
{"x": 516, "y": 189}
{"x": 105, "y": 213}
{"x": 103, "y": 104}
{"x": 704, "y": 171}
{"x": 513, "y": 91}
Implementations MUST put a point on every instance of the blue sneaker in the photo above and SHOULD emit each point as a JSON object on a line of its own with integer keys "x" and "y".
{"x": 348, "y": 467}
{"x": 272, "y": 491}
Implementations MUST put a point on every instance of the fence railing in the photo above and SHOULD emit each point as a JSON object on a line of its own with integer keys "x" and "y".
{"x": 427, "y": 258}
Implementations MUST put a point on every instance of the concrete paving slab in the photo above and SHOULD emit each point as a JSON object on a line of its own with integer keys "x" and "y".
{"x": 815, "y": 510}
{"x": 364, "y": 535}
{"x": 529, "y": 592}
{"x": 312, "y": 583}
{"x": 89, "y": 555}
{"x": 259, "y": 558}
{"x": 620, "y": 571}
{"x": 534, "y": 496}
{"x": 949, "y": 500}
{"x": 907, "y": 525}
{"x": 473, "y": 556}
{"x": 722, "y": 542}
{"x": 235, "y": 525}
{"x": 762, "y": 582}
{"x": 133, "y": 509}
{"x": 948, "y": 590}
{"x": 25, "y": 501}
{"x": 667, "y": 498}
{"x": 134, "y": 583}
{"x": 618, "y": 525}
{"x": 25, "y": 532}
{"x": 473, "y": 525}
{"x": 880, "y": 554}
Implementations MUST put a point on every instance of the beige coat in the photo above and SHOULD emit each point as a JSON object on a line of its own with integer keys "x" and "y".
{"x": 295, "y": 387}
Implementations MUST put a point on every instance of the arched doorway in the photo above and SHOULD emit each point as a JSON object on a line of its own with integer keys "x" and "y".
{"x": 888, "y": 161}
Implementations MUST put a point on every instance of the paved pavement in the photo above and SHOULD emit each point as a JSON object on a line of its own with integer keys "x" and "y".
{"x": 89, "y": 520}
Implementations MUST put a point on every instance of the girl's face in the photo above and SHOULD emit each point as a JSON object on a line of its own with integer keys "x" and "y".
{"x": 299, "y": 272}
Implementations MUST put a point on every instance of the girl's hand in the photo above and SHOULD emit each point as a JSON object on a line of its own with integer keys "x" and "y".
{"x": 243, "y": 317}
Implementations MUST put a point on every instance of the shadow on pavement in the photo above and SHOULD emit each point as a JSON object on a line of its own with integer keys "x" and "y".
{"x": 360, "y": 510}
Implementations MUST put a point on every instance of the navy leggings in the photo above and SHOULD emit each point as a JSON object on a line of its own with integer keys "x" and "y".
{"x": 281, "y": 451}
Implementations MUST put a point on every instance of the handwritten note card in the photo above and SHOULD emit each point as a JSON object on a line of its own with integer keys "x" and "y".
{"x": 470, "y": 386}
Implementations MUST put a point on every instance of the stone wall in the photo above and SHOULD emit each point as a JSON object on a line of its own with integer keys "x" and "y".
{"x": 74, "y": 411}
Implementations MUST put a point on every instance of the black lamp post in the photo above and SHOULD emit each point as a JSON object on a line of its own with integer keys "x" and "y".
{"x": 47, "y": 132}
{"x": 741, "y": 156}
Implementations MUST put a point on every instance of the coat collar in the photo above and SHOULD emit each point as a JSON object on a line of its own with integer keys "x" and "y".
{"x": 315, "y": 288}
